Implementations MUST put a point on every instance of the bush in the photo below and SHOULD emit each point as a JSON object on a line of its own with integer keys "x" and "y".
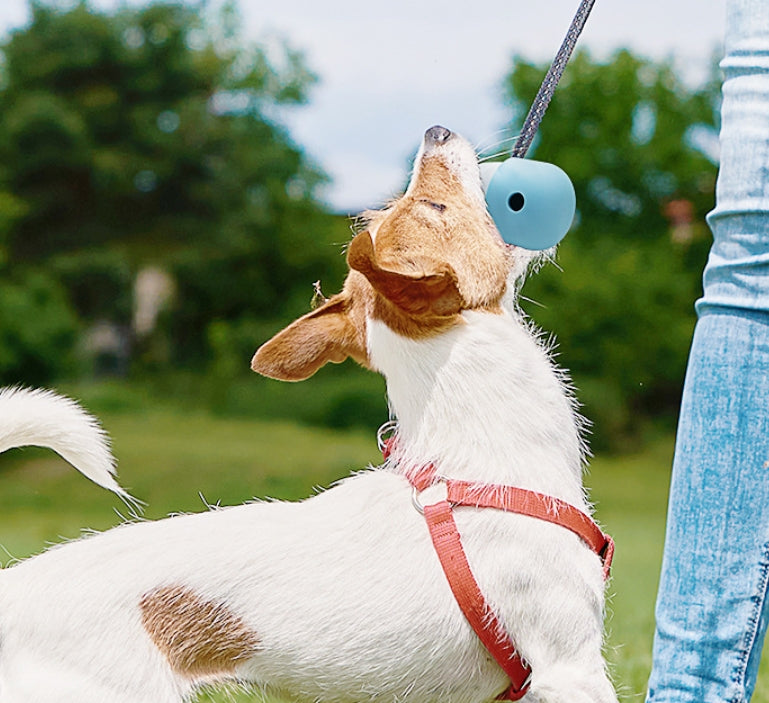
{"x": 623, "y": 317}
{"x": 37, "y": 330}
{"x": 342, "y": 396}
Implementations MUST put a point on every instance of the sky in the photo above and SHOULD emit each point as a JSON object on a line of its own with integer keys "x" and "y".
{"x": 388, "y": 71}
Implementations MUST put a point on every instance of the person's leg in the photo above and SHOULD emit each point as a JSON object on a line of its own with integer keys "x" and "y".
{"x": 712, "y": 606}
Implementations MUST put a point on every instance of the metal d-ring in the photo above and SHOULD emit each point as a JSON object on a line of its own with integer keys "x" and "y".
{"x": 415, "y": 501}
{"x": 386, "y": 432}
{"x": 418, "y": 506}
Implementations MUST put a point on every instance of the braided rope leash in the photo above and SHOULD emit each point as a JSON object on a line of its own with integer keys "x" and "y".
{"x": 546, "y": 90}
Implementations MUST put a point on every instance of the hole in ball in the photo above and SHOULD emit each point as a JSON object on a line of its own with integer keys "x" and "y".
{"x": 516, "y": 202}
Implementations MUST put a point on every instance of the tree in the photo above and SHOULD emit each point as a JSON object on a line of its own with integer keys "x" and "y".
{"x": 148, "y": 137}
{"x": 37, "y": 329}
{"x": 633, "y": 139}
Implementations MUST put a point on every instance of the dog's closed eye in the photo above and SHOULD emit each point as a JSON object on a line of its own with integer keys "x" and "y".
{"x": 440, "y": 207}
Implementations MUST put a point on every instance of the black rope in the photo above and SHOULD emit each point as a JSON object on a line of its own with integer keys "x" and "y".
{"x": 546, "y": 90}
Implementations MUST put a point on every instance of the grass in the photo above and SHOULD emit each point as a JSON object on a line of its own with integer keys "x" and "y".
{"x": 170, "y": 458}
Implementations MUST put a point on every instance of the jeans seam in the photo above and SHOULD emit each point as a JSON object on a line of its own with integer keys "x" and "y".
{"x": 751, "y": 633}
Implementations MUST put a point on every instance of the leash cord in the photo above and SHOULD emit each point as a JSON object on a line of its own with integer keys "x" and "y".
{"x": 546, "y": 90}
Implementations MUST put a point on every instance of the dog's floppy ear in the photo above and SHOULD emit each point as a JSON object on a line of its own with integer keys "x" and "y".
{"x": 325, "y": 334}
{"x": 431, "y": 292}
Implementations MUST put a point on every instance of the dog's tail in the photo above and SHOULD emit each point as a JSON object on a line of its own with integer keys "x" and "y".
{"x": 30, "y": 417}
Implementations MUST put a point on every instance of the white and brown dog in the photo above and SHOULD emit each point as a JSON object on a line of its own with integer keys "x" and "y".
{"x": 341, "y": 597}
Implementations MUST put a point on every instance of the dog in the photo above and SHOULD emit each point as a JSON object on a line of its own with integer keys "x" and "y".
{"x": 341, "y": 597}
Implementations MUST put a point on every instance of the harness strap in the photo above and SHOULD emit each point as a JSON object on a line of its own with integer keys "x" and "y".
{"x": 523, "y": 502}
{"x": 448, "y": 546}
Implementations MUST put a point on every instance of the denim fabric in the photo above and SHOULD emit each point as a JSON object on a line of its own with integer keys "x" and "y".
{"x": 712, "y": 607}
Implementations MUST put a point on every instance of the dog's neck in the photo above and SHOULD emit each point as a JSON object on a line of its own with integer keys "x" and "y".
{"x": 483, "y": 402}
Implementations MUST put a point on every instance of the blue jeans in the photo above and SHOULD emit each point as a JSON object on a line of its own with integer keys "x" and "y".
{"x": 712, "y": 606}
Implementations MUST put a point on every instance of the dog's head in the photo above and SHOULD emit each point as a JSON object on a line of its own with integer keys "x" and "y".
{"x": 420, "y": 263}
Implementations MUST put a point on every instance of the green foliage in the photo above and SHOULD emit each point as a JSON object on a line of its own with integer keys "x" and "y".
{"x": 337, "y": 396}
{"x": 628, "y": 133}
{"x": 37, "y": 330}
{"x": 149, "y": 136}
{"x": 99, "y": 282}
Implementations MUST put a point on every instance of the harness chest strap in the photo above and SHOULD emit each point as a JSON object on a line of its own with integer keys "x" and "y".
{"x": 448, "y": 546}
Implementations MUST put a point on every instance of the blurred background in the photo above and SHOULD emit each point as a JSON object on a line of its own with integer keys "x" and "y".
{"x": 175, "y": 176}
{"x": 161, "y": 215}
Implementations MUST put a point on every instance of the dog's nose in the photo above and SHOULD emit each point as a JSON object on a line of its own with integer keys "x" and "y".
{"x": 437, "y": 134}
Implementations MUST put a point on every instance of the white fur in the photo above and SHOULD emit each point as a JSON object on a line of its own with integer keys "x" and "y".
{"x": 33, "y": 417}
{"x": 344, "y": 589}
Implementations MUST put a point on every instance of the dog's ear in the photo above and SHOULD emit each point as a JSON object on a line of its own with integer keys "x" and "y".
{"x": 431, "y": 292}
{"x": 325, "y": 334}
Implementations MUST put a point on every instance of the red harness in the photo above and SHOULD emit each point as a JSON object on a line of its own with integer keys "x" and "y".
{"x": 448, "y": 546}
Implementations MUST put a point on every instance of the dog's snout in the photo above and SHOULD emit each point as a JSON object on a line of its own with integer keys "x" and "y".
{"x": 437, "y": 134}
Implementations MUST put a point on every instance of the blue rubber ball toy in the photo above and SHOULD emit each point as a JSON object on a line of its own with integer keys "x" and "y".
{"x": 532, "y": 202}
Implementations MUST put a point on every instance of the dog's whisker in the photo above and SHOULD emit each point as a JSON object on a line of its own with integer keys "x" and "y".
{"x": 491, "y": 140}
{"x": 495, "y": 156}
{"x": 497, "y": 149}
{"x": 500, "y": 155}
{"x": 533, "y": 302}
{"x": 482, "y": 146}
{"x": 498, "y": 146}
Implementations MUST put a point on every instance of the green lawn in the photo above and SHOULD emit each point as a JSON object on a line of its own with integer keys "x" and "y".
{"x": 175, "y": 460}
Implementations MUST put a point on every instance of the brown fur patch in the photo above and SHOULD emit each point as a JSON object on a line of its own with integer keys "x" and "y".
{"x": 332, "y": 332}
{"x": 442, "y": 245}
{"x": 198, "y": 637}
{"x": 414, "y": 304}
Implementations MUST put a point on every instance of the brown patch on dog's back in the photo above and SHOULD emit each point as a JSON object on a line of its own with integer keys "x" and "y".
{"x": 199, "y": 637}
